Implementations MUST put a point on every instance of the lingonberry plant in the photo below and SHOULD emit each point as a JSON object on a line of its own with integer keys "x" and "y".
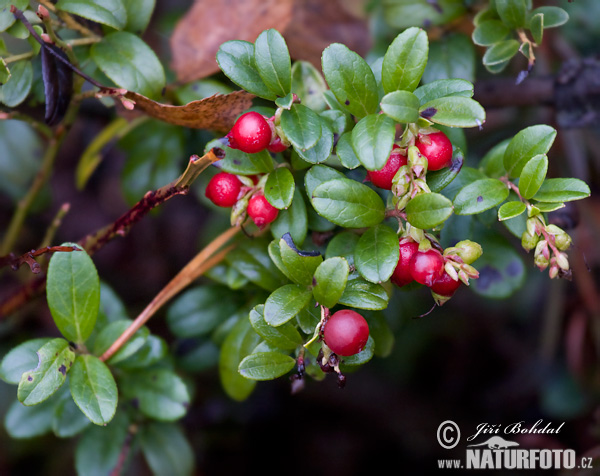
{"x": 343, "y": 188}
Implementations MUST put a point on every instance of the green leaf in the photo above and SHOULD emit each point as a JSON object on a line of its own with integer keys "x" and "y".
{"x": 381, "y": 333}
{"x": 17, "y": 88}
{"x": 292, "y": 221}
{"x": 361, "y": 294}
{"x": 512, "y": 12}
{"x": 160, "y": 393}
{"x": 21, "y": 359}
{"x": 302, "y": 126}
{"x": 377, "y": 254}
{"x": 130, "y": 63}
{"x": 405, "y": 61}
{"x": 454, "y": 111}
{"x": 372, "y": 140}
{"x": 273, "y": 63}
{"x": 68, "y": 420}
{"x": 405, "y": 13}
{"x": 553, "y": 16}
{"x": 526, "y": 144}
{"x": 73, "y": 293}
{"x": 6, "y": 17}
{"x": 361, "y": 358}
{"x": 343, "y": 245}
{"x": 317, "y": 175}
{"x": 440, "y": 179}
{"x": 284, "y": 303}
{"x": 266, "y": 365}
{"x": 479, "y": 196}
{"x": 111, "y": 333}
{"x": 26, "y": 422}
{"x": 441, "y": 88}
{"x": 99, "y": 448}
{"x": 450, "y": 58}
{"x": 279, "y": 189}
{"x": 309, "y": 85}
{"x": 238, "y": 344}
{"x": 345, "y": 152}
{"x": 536, "y": 25}
{"x": 321, "y": 151}
{"x": 301, "y": 265}
{"x": 284, "y": 337}
{"x": 93, "y": 389}
{"x": 108, "y": 12}
{"x": 241, "y": 163}
{"x": 153, "y": 350}
{"x": 562, "y": 190}
{"x": 40, "y": 383}
{"x": 492, "y": 163}
{"x": 236, "y": 60}
{"x": 198, "y": 311}
{"x": 253, "y": 261}
{"x": 510, "y": 210}
{"x": 166, "y": 449}
{"x": 489, "y": 32}
{"x": 428, "y": 210}
{"x": 348, "y": 203}
{"x": 351, "y": 80}
{"x": 548, "y": 206}
{"x": 330, "y": 281}
{"x": 139, "y": 13}
{"x": 501, "y": 52}
{"x": 533, "y": 175}
{"x": 402, "y": 106}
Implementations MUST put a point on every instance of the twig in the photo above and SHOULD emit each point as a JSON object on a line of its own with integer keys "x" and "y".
{"x": 15, "y": 262}
{"x": 132, "y": 430}
{"x": 56, "y": 222}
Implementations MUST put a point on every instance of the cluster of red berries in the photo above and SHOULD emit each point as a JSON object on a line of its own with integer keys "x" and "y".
{"x": 225, "y": 189}
{"x": 424, "y": 267}
{"x": 436, "y": 147}
{"x": 253, "y": 133}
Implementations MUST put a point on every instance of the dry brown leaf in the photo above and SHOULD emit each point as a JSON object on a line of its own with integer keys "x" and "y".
{"x": 217, "y": 113}
{"x": 318, "y": 23}
{"x": 208, "y": 23}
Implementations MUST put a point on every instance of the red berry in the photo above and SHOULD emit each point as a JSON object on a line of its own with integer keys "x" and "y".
{"x": 261, "y": 211}
{"x": 426, "y": 266}
{"x": 276, "y": 145}
{"x": 223, "y": 189}
{"x": 438, "y": 152}
{"x": 402, "y": 273}
{"x": 445, "y": 285}
{"x": 251, "y": 133}
{"x": 383, "y": 178}
{"x": 346, "y": 332}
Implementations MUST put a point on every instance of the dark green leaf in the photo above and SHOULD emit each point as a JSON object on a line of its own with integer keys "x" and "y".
{"x": 27, "y": 422}
{"x": 348, "y": 203}
{"x": 279, "y": 189}
{"x": 526, "y": 144}
{"x": 108, "y": 12}
{"x": 492, "y": 163}
{"x": 111, "y": 333}
{"x": 321, "y": 151}
{"x": 405, "y": 13}
{"x": 548, "y": 206}
{"x": 454, "y": 111}
{"x": 512, "y": 12}
{"x": 428, "y": 210}
{"x": 345, "y": 152}
{"x": 21, "y": 359}
{"x": 68, "y": 420}
{"x": 238, "y": 162}
{"x": 466, "y": 176}
{"x": 266, "y": 365}
{"x": 405, "y": 61}
{"x": 553, "y": 16}
{"x": 236, "y": 60}
{"x": 302, "y": 126}
{"x": 372, "y": 140}
{"x": 138, "y": 14}
{"x": 198, "y": 356}
{"x": 73, "y": 293}
{"x": 16, "y": 89}
{"x": 318, "y": 175}
{"x": 301, "y": 265}
{"x": 443, "y": 88}
{"x": 308, "y": 318}
{"x": 284, "y": 303}
{"x": 533, "y": 175}
{"x": 361, "y": 358}
{"x": 490, "y": 32}
{"x": 361, "y": 294}
{"x": 285, "y": 337}
{"x": 440, "y": 179}
{"x": 536, "y": 25}
{"x": 451, "y": 58}
{"x": 351, "y": 80}
{"x": 273, "y": 63}
{"x": 130, "y": 63}
{"x": 377, "y": 253}
{"x": 330, "y": 281}
{"x": 479, "y": 196}
{"x": 166, "y": 449}
{"x": 562, "y": 190}
{"x": 111, "y": 307}
{"x": 253, "y": 261}
{"x": 6, "y": 17}
{"x": 292, "y": 221}
{"x": 93, "y": 389}
{"x": 343, "y": 244}
{"x": 510, "y": 210}
{"x": 402, "y": 106}
{"x": 308, "y": 85}
{"x": 275, "y": 254}
{"x": 501, "y": 52}
{"x": 153, "y": 350}
{"x": 160, "y": 393}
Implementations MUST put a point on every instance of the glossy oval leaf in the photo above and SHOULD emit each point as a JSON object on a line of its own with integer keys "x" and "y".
{"x": 252, "y": 261}
{"x": 526, "y": 144}
{"x": 428, "y": 210}
{"x": 266, "y": 365}
{"x": 489, "y": 32}
{"x": 510, "y": 210}
{"x": 330, "y": 281}
{"x": 512, "y": 12}
{"x": 26, "y": 422}
{"x": 279, "y": 189}
{"x": 362, "y": 294}
{"x": 405, "y": 61}
{"x": 376, "y": 254}
{"x": 18, "y": 86}
{"x": 454, "y": 111}
{"x": 166, "y": 449}
{"x": 68, "y": 420}
{"x": 451, "y": 57}
{"x": 533, "y": 175}
{"x": 108, "y": 12}
{"x": 501, "y": 52}
{"x": 301, "y": 265}
{"x": 372, "y": 140}
{"x": 492, "y": 163}
{"x": 321, "y": 151}
{"x": 21, "y": 359}
{"x": 318, "y": 175}
{"x": 440, "y": 179}
{"x": 345, "y": 152}
{"x": 479, "y": 196}
{"x": 402, "y": 106}
{"x": 284, "y": 303}
{"x": 302, "y": 126}
{"x": 93, "y": 389}
{"x": 273, "y": 63}
{"x": 284, "y": 337}
{"x": 293, "y": 220}
{"x": 562, "y": 190}
{"x": 348, "y": 203}
{"x": 536, "y": 26}
{"x": 553, "y": 16}
{"x": 442, "y": 88}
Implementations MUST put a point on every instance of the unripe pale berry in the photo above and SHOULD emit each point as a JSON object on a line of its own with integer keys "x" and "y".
{"x": 346, "y": 332}
{"x": 223, "y": 189}
{"x": 383, "y": 178}
{"x": 261, "y": 211}
{"x": 251, "y": 133}
{"x": 438, "y": 151}
{"x": 402, "y": 275}
{"x": 426, "y": 266}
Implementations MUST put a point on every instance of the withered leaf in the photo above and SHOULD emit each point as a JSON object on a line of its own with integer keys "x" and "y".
{"x": 58, "y": 84}
{"x": 217, "y": 112}
{"x": 208, "y": 24}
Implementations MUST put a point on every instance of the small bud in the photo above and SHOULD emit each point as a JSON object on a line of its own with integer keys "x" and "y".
{"x": 532, "y": 225}
{"x": 422, "y": 185}
{"x": 416, "y": 234}
{"x": 554, "y": 230}
{"x": 439, "y": 299}
{"x": 468, "y": 251}
{"x": 541, "y": 262}
{"x": 451, "y": 270}
{"x": 42, "y": 12}
{"x": 553, "y": 273}
{"x": 541, "y": 249}
{"x": 463, "y": 277}
{"x": 471, "y": 272}
{"x": 238, "y": 211}
{"x": 562, "y": 241}
{"x": 416, "y": 161}
{"x": 562, "y": 260}
{"x": 529, "y": 242}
